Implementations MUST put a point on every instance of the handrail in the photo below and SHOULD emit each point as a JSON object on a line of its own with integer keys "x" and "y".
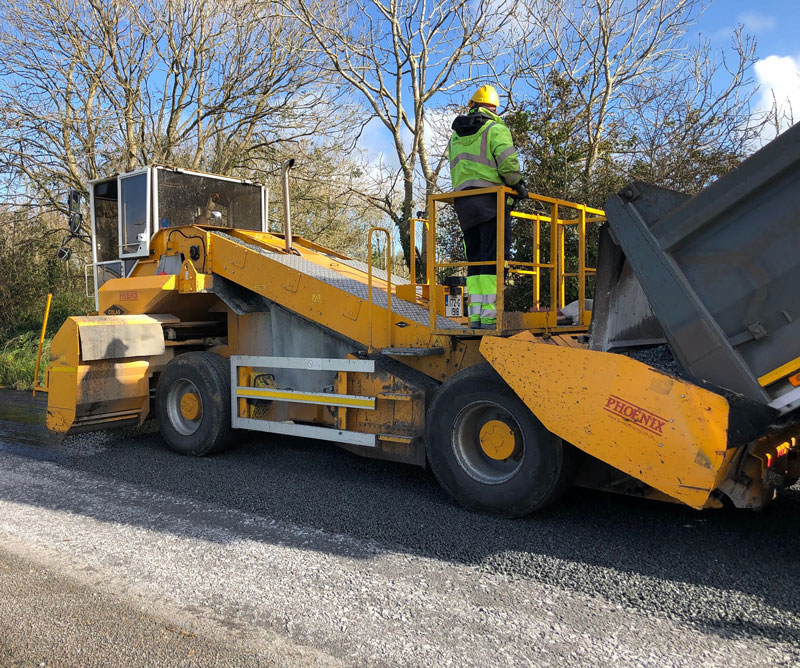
{"x": 388, "y": 284}
{"x": 556, "y": 266}
{"x": 96, "y": 279}
{"x": 36, "y": 385}
{"x": 412, "y": 236}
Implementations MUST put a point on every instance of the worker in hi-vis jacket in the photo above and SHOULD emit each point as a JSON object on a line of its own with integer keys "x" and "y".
{"x": 482, "y": 155}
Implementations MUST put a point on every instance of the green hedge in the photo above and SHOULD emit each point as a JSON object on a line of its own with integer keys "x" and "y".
{"x": 18, "y": 361}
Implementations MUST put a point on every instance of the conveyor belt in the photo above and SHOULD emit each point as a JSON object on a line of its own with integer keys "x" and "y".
{"x": 348, "y": 285}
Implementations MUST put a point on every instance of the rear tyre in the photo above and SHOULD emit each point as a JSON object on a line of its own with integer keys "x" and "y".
{"x": 489, "y": 452}
{"x": 193, "y": 404}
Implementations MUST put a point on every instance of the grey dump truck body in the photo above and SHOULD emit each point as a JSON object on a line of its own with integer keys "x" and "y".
{"x": 714, "y": 275}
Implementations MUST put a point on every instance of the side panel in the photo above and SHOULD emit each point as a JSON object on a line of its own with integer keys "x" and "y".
{"x": 720, "y": 269}
{"x": 621, "y": 315}
{"x": 667, "y": 433}
{"x": 112, "y": 337}
{"x": 375, "y": 407}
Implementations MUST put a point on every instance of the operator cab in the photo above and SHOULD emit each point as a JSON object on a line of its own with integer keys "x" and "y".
{"x": 127, "y": 211}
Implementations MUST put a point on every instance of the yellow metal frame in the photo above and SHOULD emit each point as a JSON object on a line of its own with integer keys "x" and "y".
{"x": 412, "y": 235}
{"x": 372, "y": 230}
{"x": 541, "y": 321}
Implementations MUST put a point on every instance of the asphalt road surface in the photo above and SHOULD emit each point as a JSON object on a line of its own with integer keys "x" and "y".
{"x": 117, "y": 552}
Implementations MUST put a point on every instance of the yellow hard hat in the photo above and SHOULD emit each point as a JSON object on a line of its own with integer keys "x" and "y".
{"x": 486, "y": 95}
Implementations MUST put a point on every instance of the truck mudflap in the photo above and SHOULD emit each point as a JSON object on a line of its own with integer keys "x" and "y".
{"x": 669, "y": 434}
{"x": 99, "y": 372}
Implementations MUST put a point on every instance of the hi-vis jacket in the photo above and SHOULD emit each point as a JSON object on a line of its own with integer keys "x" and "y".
{"x": 481, "y": 152}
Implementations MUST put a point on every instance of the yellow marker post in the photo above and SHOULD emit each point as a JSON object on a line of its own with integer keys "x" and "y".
{"x": 36, "y": 385}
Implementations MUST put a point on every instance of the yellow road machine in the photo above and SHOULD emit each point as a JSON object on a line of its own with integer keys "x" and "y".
{"x": 683, "y": 387}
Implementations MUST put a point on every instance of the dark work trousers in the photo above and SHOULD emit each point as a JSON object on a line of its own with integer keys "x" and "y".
{"x": 480, "y": 243}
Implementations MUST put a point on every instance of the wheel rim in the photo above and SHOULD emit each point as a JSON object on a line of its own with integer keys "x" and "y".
{"x": 488, "y": 442}
{"x": 184, "y": 407}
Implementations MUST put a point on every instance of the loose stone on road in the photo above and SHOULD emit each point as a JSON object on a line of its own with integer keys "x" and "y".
{"x": 114, "y": 551}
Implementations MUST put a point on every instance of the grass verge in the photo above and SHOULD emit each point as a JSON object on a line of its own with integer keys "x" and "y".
{"x": 18, "y": 361}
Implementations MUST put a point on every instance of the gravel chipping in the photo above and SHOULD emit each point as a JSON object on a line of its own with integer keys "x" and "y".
{"x": 369, "y": 563}
{"x": 658, "y": 357}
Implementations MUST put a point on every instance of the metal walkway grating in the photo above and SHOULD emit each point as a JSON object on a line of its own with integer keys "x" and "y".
{"x": 351, "y": 286}
{"x": 363, "y": 266}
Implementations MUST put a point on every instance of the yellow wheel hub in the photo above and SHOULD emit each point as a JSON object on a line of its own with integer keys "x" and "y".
{"x": 190, "y": 406}
{"x": 497, "y": 440}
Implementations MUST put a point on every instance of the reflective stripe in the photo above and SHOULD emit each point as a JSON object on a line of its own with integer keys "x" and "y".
{"x": 474, "y": 310}
{"x": 490, "y": 298}
{"x": 485, "y": 142}
{"x": 477, "y": 183}
{"x": 481, "y": 160}
{"x": 483, "y": 157}
{"x": 486, "y": 313}
{"x": 487, "y": 285}
{"x": 509, "y": 151}
{"x": 475, "y": 162}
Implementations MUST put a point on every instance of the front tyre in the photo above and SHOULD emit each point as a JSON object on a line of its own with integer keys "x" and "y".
{"x": 487, "y": 449}
{"x": 193, "y": 403}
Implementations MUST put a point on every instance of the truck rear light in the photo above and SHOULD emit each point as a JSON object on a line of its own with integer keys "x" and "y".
{"x": 781, "y": 451}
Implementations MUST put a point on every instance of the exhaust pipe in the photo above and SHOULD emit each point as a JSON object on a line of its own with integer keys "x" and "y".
{"x": 287, "y": 213}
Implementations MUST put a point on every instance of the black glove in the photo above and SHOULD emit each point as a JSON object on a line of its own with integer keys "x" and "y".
{"x": 522, "y": 190}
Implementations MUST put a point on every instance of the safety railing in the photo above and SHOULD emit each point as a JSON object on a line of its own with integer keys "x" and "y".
{"x": 372, "y": 230}
{"x": 412, "y": 235}
{"x": 101, "y": 272}
{"x": 539, "y": 317}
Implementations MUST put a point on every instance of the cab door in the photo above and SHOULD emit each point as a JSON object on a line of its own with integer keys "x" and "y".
{"x": 135, "y": 225}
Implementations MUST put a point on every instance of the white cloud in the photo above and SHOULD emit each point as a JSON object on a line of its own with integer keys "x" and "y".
{"x": 779, "y": 89}
{"x": 754, "y": 22}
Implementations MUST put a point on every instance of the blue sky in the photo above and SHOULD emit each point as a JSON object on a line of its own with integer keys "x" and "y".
{"x": 774, "y": 24}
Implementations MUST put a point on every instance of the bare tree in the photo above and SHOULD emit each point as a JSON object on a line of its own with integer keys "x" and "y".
{"x": 778, "y": 118}
{"x": 693, "y": 125}
{"x": 214, "y": 86}
{"x": 325, "y": 190}
{"x": 400, "y": 57}
{"x": 603, "y": 47}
